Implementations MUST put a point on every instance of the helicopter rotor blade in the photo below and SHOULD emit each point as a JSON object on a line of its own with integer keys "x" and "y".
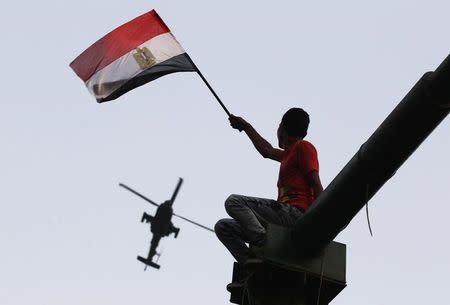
{"x": 193, "y": 222}
{"x": 138, "y": 194}
{"x": 177, "y": 189}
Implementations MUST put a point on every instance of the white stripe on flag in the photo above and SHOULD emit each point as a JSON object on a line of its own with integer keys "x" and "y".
{"x": 163, "y": 47}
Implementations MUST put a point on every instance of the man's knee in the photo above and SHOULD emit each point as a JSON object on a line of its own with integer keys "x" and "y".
{"x": 231, "y": 202}
{"x": 221, "y": 228}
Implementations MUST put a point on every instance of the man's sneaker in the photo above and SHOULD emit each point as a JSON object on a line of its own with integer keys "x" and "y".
{"x": 237, "y": 285}
{"x": 240, "y": 277}
{"x": 252, "y": 263}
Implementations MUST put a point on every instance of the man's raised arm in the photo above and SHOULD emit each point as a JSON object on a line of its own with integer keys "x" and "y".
{"x": 262, "y": 146}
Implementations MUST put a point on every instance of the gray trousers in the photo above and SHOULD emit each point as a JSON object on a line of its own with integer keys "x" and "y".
{"x": 249, "y": 219}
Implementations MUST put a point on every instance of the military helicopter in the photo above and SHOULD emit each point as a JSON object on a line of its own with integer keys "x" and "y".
{"x": 160, "y": 224}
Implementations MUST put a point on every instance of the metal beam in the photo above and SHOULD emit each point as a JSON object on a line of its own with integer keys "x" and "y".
{"x": 408, "y": 125}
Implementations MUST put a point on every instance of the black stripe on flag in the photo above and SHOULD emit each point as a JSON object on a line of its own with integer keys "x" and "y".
{"x": 179, "y": 63}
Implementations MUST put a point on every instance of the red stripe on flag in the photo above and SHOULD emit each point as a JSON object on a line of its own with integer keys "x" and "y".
{"x": 118, "y": 43}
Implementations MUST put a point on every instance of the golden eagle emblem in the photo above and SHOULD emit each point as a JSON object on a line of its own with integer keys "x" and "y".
{"x": 144, "y": 58}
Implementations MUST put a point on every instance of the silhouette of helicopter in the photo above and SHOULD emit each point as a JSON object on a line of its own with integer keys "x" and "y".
{"x": 160, "y": 224}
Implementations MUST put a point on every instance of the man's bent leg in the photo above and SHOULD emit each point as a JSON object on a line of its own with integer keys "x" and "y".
{"x": 253, "y": 214}
{"x": 230, "y": 234}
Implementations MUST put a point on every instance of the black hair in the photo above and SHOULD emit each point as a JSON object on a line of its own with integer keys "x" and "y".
{"x": 295, "y": 122}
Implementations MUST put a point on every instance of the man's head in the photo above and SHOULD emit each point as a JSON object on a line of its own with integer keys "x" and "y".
{"x": 293, "y": 126}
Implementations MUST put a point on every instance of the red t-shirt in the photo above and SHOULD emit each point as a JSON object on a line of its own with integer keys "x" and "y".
{"x": 297, "y": 162}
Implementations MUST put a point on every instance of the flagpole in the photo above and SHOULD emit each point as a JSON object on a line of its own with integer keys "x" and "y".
{"x": 209, "y": 86}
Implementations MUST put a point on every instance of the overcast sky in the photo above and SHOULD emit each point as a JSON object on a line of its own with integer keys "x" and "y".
{"x": 69, "y": 235}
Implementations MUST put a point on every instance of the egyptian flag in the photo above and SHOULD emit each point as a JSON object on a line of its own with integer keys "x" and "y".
{"x": 131, "y": 55}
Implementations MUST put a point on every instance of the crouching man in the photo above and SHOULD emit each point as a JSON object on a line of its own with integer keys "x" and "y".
{"x": 298, "y": 186}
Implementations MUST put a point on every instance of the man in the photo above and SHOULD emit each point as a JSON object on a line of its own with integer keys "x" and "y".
{"x": 298, "y": 186}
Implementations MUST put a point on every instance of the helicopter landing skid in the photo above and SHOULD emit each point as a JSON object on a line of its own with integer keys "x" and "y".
{"x": 148, "y": 262}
